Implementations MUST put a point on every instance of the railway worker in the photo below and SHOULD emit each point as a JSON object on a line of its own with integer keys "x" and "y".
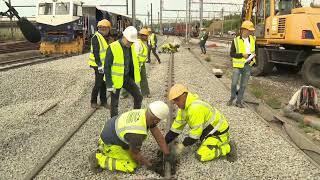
{"x": 122, "y": 137}
{"x": 142, "y": 52}
{"x": 96, "y": 61}
{"x": 203, "y": 39}
{"x": 207, "y": 125}
{"x": 122, "y": 69}
{"x": 152, "y": 46}
{"x": 243, "y": 58}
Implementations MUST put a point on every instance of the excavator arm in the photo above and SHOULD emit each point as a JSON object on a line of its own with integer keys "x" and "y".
{"x": 247, "y": 9}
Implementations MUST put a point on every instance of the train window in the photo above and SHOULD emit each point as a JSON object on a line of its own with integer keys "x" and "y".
{"x": 62, "y": 8}
{"x": 45, "y": 8}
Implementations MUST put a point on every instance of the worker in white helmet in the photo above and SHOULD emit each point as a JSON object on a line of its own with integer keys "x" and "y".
{"x": 122, "y": 69}
{"x": 122, "y": 137}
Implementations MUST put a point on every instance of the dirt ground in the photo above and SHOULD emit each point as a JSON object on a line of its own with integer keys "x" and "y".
{"x": 275, "y": 89}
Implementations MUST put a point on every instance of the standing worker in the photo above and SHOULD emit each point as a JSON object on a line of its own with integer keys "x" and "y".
{"x": 203, "y": 39}
{"x": 122, "y": 137}
{"x": 152, "y": 46}
{"x": 206, "y": 123}
{"x": 142, "y": 52}
{"x": 96, "y": 61}
{"x": 122, "y": 69}
{"x": 243, "y": 58}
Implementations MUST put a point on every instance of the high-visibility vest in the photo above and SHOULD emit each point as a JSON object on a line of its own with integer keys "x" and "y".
{"x": 151, "y": 40}
{"x": 131, "y": 122}
{"x": 117, "y": 68}
{"x": 103, "y": 50}
{"x": 143, "y": 54}
{"x": 198, "y": 115}
{"x": 241, "y": 48}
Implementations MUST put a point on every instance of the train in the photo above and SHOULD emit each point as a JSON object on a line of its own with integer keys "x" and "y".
{"x": 66, "y": 26}
{"x": 179, "y": 29}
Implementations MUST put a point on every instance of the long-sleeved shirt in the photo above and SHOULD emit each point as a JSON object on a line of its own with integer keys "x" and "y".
{"x": 96, "y": 49}
{"x": 128, "y": 64}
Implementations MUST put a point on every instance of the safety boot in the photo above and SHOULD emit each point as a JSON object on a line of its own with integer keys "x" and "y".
{"x": 240, "y": 105}
{"x": 230, "y": 102}
{"x": 232, "y": 155}
{"x": 94, "y": 105}
{"x": 94, "y": 166}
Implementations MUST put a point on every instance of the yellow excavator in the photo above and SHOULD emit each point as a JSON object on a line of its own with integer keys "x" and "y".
{"x": 288, "y": 37}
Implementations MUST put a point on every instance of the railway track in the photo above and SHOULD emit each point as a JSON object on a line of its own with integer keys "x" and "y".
{"x": 16, "y": 63}
{"x": 12, "y": 47}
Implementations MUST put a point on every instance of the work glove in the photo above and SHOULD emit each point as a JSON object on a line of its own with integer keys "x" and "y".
{"x": 101, "y": 69}
{"x": 179, "y": 148}
{"x": 112, "y": 90}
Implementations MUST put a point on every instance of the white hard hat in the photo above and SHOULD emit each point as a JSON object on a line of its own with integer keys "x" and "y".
{"x": 159, "y": 109}
{"x": 131, "y": 33}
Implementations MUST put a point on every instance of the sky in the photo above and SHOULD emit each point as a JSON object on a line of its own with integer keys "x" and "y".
{"x": 143, "y": 6}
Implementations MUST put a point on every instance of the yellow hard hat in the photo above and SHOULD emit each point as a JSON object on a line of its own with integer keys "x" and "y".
{"x": 104, "y": 23}
{"x": 149, "y": 29}
{"x": 144, "y": 31}
{"x": 176, "y": 91}
{"x": 248, "y": 25}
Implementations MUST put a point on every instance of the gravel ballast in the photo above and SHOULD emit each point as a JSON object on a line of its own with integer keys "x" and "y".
{"x": 262, "y": 154}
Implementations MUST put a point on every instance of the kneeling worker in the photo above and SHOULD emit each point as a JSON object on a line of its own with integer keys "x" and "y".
{"x": 122, "y": 136}
{"x": 206, "y": 123}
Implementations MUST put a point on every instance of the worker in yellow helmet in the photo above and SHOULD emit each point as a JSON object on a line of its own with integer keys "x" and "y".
{"x": 243, "y": 55}
{"x": 99, "y": 45}
{"x": 122, "y": 137}
{"x": 152, "y": 46}
{"x": 207, "y": 125}
{"x": 122, "y": 69}
{"x": 142, "y": 52}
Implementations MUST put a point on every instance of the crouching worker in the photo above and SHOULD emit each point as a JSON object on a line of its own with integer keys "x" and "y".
{"x": 207, "y": 125}
{"x": 122, "y": 136}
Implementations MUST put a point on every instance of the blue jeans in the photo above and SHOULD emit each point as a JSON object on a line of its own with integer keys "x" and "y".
{"x": 245, "y": 74}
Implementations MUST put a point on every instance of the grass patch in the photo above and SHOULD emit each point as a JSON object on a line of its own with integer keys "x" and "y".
{"x": 5, "y": 34}
{"x": 305, "y": 128}
{"x": 256, "y": 91}
{"x": 274, "y": 102}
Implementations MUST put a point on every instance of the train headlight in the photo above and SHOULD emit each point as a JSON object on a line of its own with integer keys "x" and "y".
{"x": 69, "y": 27}
{"x": 39, "y": 27}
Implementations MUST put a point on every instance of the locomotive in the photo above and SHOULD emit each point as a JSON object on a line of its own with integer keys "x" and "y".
{"x": 66, "y": 26}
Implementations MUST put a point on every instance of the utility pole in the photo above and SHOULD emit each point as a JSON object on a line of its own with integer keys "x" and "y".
{"x": 127, "y": 3}
{"x": 161, "y": 7}
{"x": 151, "y": 18}
{"x": 158, "y": 20}
{"x": 134, "y": 13}
{"x": 11, "y": 24}
{"x": 148, "y": 18}
{"x": 222, "y": 22}
{"x": 187, "y": 21}
{"x": 201, "y": 13}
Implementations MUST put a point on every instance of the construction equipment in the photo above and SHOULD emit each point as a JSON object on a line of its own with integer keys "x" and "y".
{"x": 288, "y": 37}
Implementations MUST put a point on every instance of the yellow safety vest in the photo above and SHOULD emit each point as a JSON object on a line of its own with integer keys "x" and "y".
{"x": 143, "y": 54}
{"x": 151, "y": 40}
{"x": 117, "y": 68}
{"x": 198, "y": 115}
{"x": 103, "y": 50}
{"x": 241, "y": 48}
{"x": 131, "y": 122}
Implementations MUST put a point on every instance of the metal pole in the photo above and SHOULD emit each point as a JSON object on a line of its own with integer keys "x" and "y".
{"x": 201, "y": 13}
{"x": 11, "y": 23}
{"x": 222, "y": 28}
{"x": 151, "y": 18}
{"x": 133, "y": 13}
{"x": 187, "y": 21}
{"x": 148, "y": 18}
{"x": 161, "y": 8}
{"x": 127, "y": 3}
